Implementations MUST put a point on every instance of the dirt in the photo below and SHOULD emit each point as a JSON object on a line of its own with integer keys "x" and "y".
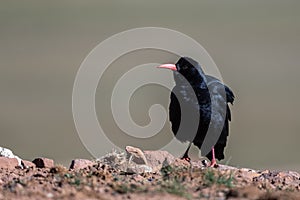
{"x": 179, "y": 180}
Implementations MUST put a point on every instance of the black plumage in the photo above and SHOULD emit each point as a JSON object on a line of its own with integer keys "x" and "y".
{"x": 209, "y": 91}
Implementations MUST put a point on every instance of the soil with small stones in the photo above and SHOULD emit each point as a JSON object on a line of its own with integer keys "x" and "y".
{"x": 176, "y": 181}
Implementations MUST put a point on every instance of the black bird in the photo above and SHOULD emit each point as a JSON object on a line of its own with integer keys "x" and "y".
{"x": 208, "y": 91}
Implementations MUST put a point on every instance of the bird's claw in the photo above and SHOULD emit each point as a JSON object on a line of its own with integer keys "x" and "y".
{"x": 188, "y": 159}
{"x": 213, "y": 164}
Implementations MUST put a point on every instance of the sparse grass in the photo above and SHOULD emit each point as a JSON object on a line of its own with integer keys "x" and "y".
{"x": 74, "y": 179}
{"x": 175, "y": 187}
{"x": 76, "y": 182}
{"x": 68, "y": 175}
{"x": 166, "y": 171}
{"x": 170, "y": 171}
{"x": 212, "y": 177}
{"x": 173, "y": 182}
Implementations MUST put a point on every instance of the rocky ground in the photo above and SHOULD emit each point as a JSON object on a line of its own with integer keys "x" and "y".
{"x": 137, "y": 174}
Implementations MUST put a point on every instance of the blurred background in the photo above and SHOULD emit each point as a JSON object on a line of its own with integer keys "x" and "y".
{"x": 255, "y": 44}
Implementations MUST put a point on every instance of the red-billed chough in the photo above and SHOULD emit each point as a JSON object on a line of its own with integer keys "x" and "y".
{"x": 209, "y": 92}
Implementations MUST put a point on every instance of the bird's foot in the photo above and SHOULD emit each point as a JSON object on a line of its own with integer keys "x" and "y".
{"x": 213, "y": 164}
{"x": 186, "y": 158}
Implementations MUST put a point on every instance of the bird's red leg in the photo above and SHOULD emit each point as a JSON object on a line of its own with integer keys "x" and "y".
{"x": 213, "y": 162}
{"x": 186, "y": 154}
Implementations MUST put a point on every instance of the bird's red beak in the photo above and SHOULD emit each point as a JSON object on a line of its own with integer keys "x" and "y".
{"x": 168, "y": 66}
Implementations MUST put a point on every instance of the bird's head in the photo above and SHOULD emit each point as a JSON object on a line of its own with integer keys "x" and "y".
{"x": 188, "y": 68}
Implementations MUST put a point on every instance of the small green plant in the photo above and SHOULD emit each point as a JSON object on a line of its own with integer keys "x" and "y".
{"x": 173, "y": 181}
{"x": 174, "y": 172}
{"x": 76, "y": 182}
{"x": 212, "y": 177}
{"x": 68, "y": 175}
{"x": 226, "y": 180}
{"x": 175, "y": 187}
{"x": 166, "y": 171}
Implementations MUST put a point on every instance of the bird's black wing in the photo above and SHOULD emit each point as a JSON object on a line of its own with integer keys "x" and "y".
{"x": 221, "y": 95}
{"x": 219, "y": 86}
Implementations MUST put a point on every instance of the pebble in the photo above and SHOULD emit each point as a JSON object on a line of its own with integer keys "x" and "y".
{"x": 49, "y": 195}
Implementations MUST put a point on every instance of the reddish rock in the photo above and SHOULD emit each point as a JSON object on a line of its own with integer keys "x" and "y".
{"x": 181, "y": 162}
{"x": 8, "y": 163}
{"x": 157, "y": 158}
{"x": 139, "y": 169}
{"x": 26, "y": 163}
{"x": 43, "y": 162}
{"x": 80, "y": 164}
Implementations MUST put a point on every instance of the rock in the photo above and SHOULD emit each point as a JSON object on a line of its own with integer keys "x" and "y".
{"x": 248, "y": 174}
{"x": 294, "y": 174}
{"x": 43, "y": 162}
{"x": 155, "y": 160}
{"x": 49, "y": 195}
{"x": 206, "y": 193}
{"x": 80, "y": 164}
{"x": 139, "y": 169}
{"x": 138, "y": 178}
{"x": 137, "y": 153}
{"x": 147, "y": 161}
{"x": 8, "y": 163}
{"x": 158, "y": 159}
{"x": 7, "y": 153}
{"x": 220, "y": 194}
{"x": 195, "y": 164}
{"x": 226, "y": 167}
{"x": 264, "y": 172}
{"x": 27, "y": 164}
{"x": 115, "y": 160}
{"x": 180, "y": 163}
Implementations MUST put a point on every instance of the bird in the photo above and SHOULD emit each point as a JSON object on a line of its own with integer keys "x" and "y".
{"x": 208, "y": 92}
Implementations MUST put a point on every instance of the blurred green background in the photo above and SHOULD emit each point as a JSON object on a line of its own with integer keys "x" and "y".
{"x": 255, "y": 44}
